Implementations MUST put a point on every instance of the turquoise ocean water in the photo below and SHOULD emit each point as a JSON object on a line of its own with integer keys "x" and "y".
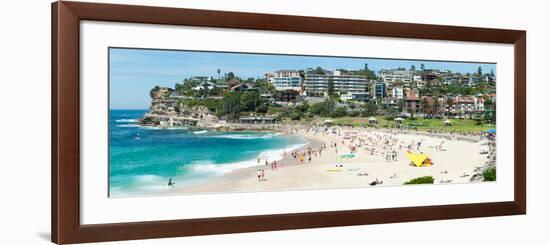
{"x": 143, "y": 159}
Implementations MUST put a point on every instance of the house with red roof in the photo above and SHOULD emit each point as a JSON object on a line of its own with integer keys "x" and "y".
{"x": 411, "y": 103}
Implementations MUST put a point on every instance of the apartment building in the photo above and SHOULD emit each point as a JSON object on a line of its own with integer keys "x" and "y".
{"x": 285, "y": 80}
{"x": 318, "y": 84}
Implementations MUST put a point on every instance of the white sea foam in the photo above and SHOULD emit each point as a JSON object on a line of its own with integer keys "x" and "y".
{"x": 126, "y": 120}
{"x": 147, "y": 179}
{"x": 206, "y": 166}
{"x": 277, "y": 155}
{"x": 129, "y": 126}
{"x": 246, "y": 136}
{"x": 201, "y": 132}
{"x": 161, "y": 128}
{"x": 149, "y": 182}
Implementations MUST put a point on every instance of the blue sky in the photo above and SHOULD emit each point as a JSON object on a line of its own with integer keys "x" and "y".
{"x": 133, "y": 72}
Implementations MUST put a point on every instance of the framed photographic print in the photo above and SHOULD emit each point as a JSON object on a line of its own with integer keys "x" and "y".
{"x": 176, "y": 122}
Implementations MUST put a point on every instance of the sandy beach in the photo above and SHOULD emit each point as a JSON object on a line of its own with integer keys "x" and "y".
{"x": 370, "y": 155}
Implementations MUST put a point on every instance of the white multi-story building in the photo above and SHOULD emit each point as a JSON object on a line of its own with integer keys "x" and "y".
{"x": 317, "y": 84}
{"x": 285, "y": 80}
{"x": 397, "y": 92}
{"x": 391, "y": 76}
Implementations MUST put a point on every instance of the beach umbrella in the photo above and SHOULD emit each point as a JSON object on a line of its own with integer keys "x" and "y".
{"x": 448, "y": 122}
{"x": 372, "y": 120}
{"x": 491, "y": 131}
{"x": 398, "y": 120}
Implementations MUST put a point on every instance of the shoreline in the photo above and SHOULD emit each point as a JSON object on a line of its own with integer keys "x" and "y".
{"x": 285, "y": 161}
{"x": 321, "y": 172}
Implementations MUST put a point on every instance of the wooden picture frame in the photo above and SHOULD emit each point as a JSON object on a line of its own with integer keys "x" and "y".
{"x": 66, "y": 226}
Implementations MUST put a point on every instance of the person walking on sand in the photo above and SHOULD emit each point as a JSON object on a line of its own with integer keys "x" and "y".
{"x": 259, "y": 174}
{"x": 263, "y": 175}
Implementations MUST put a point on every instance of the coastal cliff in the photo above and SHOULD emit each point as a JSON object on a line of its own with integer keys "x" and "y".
{"x": 167, "y": 110}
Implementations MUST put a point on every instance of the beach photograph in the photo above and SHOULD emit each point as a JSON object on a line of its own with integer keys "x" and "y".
{"x": 205, "y": 122}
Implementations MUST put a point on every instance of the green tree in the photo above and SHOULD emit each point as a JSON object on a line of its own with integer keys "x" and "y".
{"x": 422, "y": 67}
{"x": 249, "y": 100}
{"x": 481, "y": 86}
{"x": 153, "y": 91}
{"x": 330, "y": 87}
{"x": 263, "y": 108}
{"x": 449, "y": 103}
{"x": 370, "y": 109}
{"x": 295, "y": 115}
{"x": 216, "y": 91}
{"x": 231, "y": 105}
{"x": 213, "y": 105}
{"x": 367, "y": 72}
{"x": 353, "y": 113}
{"x": 230, "y": 75}
{"x": 425, "y": 105}
{"x": 400, "y": 105}
{"x": 413, "y": 67}
{"x": 319, "y": 71}
{"x": 436, "y": 106}
{"x": 304, "y": 107}
{"x": 264, "y": 85}
{"x": 322, "y": 108}
{"x": 338, "y": 112}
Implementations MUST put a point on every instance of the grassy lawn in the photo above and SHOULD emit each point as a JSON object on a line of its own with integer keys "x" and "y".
{"x": 458, "y": 125}
{"x": 275, "y": 110}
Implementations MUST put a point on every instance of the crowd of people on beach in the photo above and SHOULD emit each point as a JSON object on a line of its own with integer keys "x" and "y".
{"x": 308, "y": 153}
{"x": 377, "y": 143}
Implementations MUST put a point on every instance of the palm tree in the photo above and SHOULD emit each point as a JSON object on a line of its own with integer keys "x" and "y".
{"x": 219, "y": 72}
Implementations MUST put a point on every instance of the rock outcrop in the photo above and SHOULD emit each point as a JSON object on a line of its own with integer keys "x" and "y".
{"x": 168, "y": 111}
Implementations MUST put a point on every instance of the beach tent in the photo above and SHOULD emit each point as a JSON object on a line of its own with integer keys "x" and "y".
{"x": 398, "y": 120}
{"x": 419, "y": 160}
{"x": 327, "y": 122}
{"x": 373, "y": 120}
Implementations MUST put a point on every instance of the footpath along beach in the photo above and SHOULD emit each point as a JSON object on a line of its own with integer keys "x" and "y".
{"x": 344, "y": 157}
